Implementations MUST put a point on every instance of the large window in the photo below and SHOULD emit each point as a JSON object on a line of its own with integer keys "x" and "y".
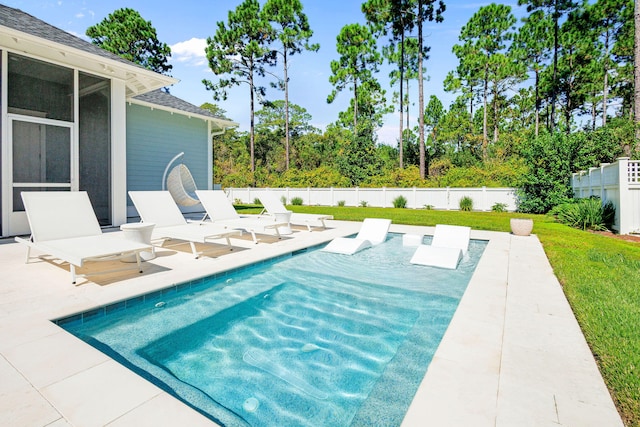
{"x": 40, "y": 89}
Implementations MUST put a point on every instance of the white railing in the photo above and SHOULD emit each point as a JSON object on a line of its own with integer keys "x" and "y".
{"x": 483, "y": 198}
{"x": 617, "y": 182}
{"x": 633, "y": 172}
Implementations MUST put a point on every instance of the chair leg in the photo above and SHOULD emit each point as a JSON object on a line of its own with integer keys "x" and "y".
{"x": 73, "y": 273}
{"x": 194, "y": 250}
{"x": 138, "y": 262}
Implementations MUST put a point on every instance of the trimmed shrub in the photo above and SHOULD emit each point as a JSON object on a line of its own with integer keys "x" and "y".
{"x": 400, "y": 202}
{"x": 466, "y": 204}
{"x": 341, "y": 203}
{"x": 499, "y": 207}
{"x": 586, "y": 214}
{"x": 364, "y": 203}
{"x": 296, "y": 201}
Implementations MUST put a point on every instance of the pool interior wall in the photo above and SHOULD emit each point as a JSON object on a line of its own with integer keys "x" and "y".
{"x": 301, "y": 372}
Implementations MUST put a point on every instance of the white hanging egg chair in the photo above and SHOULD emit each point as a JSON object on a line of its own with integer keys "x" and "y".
{"x": 180, "y": 183}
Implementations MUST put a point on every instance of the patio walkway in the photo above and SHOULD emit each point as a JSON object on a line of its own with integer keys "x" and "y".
{"x": 512, "y": 356}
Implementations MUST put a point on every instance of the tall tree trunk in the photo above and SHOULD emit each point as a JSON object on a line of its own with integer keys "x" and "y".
{"x": 471, "y": 102}
{"x": 355, "y": 109}
{"x": 554, "y": 83}
{"x": 400, "y": 143}
{"x": 605, "y": 89}
{"x": 636, "y": 75}
{"x": 286, "y": 111}
{"x": 421, "y": 95}
{"x": 407, "y": 103}
{"x": 252, "y": 127}
{"x": 485, "y": 95}
{"x": 495, "y": 114}
{"x": 537, "y": 102}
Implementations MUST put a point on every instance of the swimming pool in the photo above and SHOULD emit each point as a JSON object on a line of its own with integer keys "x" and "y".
{"x": 313, "y": 338}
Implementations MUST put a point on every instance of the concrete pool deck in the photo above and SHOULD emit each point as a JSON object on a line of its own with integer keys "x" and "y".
{"x": 513, "y": 354}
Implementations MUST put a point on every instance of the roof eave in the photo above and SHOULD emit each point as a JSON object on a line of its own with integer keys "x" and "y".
{"x": 137, "y": 79}
{"x": 219, "y": 122}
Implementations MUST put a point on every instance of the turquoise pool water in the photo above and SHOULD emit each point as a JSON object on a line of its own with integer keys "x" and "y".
{"x": 309, "y": 339}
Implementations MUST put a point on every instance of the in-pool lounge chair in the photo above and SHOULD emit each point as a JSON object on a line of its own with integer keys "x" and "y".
{"x": 64, "y": 225}
{"x": 221, "y": 212}
{"x": 450, "y": 243}
{"x": 274, "y": 207}
{"x": 372, "y": 232}
{"x": 159, "y": 208}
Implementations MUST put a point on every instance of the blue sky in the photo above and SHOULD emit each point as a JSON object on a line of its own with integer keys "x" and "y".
{"x": 186, "y": 25}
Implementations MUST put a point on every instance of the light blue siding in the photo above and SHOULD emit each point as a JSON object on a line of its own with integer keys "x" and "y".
{"x": 154, "y": 137}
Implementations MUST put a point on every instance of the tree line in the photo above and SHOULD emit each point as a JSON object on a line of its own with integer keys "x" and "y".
{"x": 536, "y": 99}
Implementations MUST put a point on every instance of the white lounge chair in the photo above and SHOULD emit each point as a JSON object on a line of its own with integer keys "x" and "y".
{"x": 273, "y": 206}
{"x": 158, "y": 207}
{"x": 221, "y": 212}
{"x": 450, "y": 243}
{"x": 372, "y": 232}
{"x": 64, "y": 225}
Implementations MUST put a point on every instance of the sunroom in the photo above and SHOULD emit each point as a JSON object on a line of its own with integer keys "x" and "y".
{"x": 66, "y": 106}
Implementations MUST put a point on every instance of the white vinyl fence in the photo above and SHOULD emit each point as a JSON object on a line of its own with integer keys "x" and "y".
{"x": 417, "y": 198}
{"x": 617, "y": 182}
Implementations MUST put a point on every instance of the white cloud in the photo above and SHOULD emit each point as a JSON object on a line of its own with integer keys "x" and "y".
{"x": 388, "y": 135}
{"x": 190, "y": 51}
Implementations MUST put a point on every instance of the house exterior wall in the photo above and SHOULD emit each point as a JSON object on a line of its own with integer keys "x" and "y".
{"x": 154, "y": 137}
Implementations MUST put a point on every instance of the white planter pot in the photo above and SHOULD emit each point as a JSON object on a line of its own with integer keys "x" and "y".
{"x": 521, "y": 226}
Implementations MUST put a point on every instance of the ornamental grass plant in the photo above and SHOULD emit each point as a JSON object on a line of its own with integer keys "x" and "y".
{"x": 586, "y": 214}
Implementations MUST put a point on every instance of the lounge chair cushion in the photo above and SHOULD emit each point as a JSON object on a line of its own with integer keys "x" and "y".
{"x": 55, "y": 215}
{"x": 452, "y": 236}
{"x": 346, "y": 245}
{"x": 449, "y": 244}
{"x": 157, "y": 207}
{"x": 372, "y": 232}
{"x": 437, "y": 256}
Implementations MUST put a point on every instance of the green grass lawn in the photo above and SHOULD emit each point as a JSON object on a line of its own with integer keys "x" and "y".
{"x": 600, "y": 276}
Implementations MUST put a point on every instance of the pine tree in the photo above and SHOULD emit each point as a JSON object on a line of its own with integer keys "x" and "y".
{"x": 240, "y": 48}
